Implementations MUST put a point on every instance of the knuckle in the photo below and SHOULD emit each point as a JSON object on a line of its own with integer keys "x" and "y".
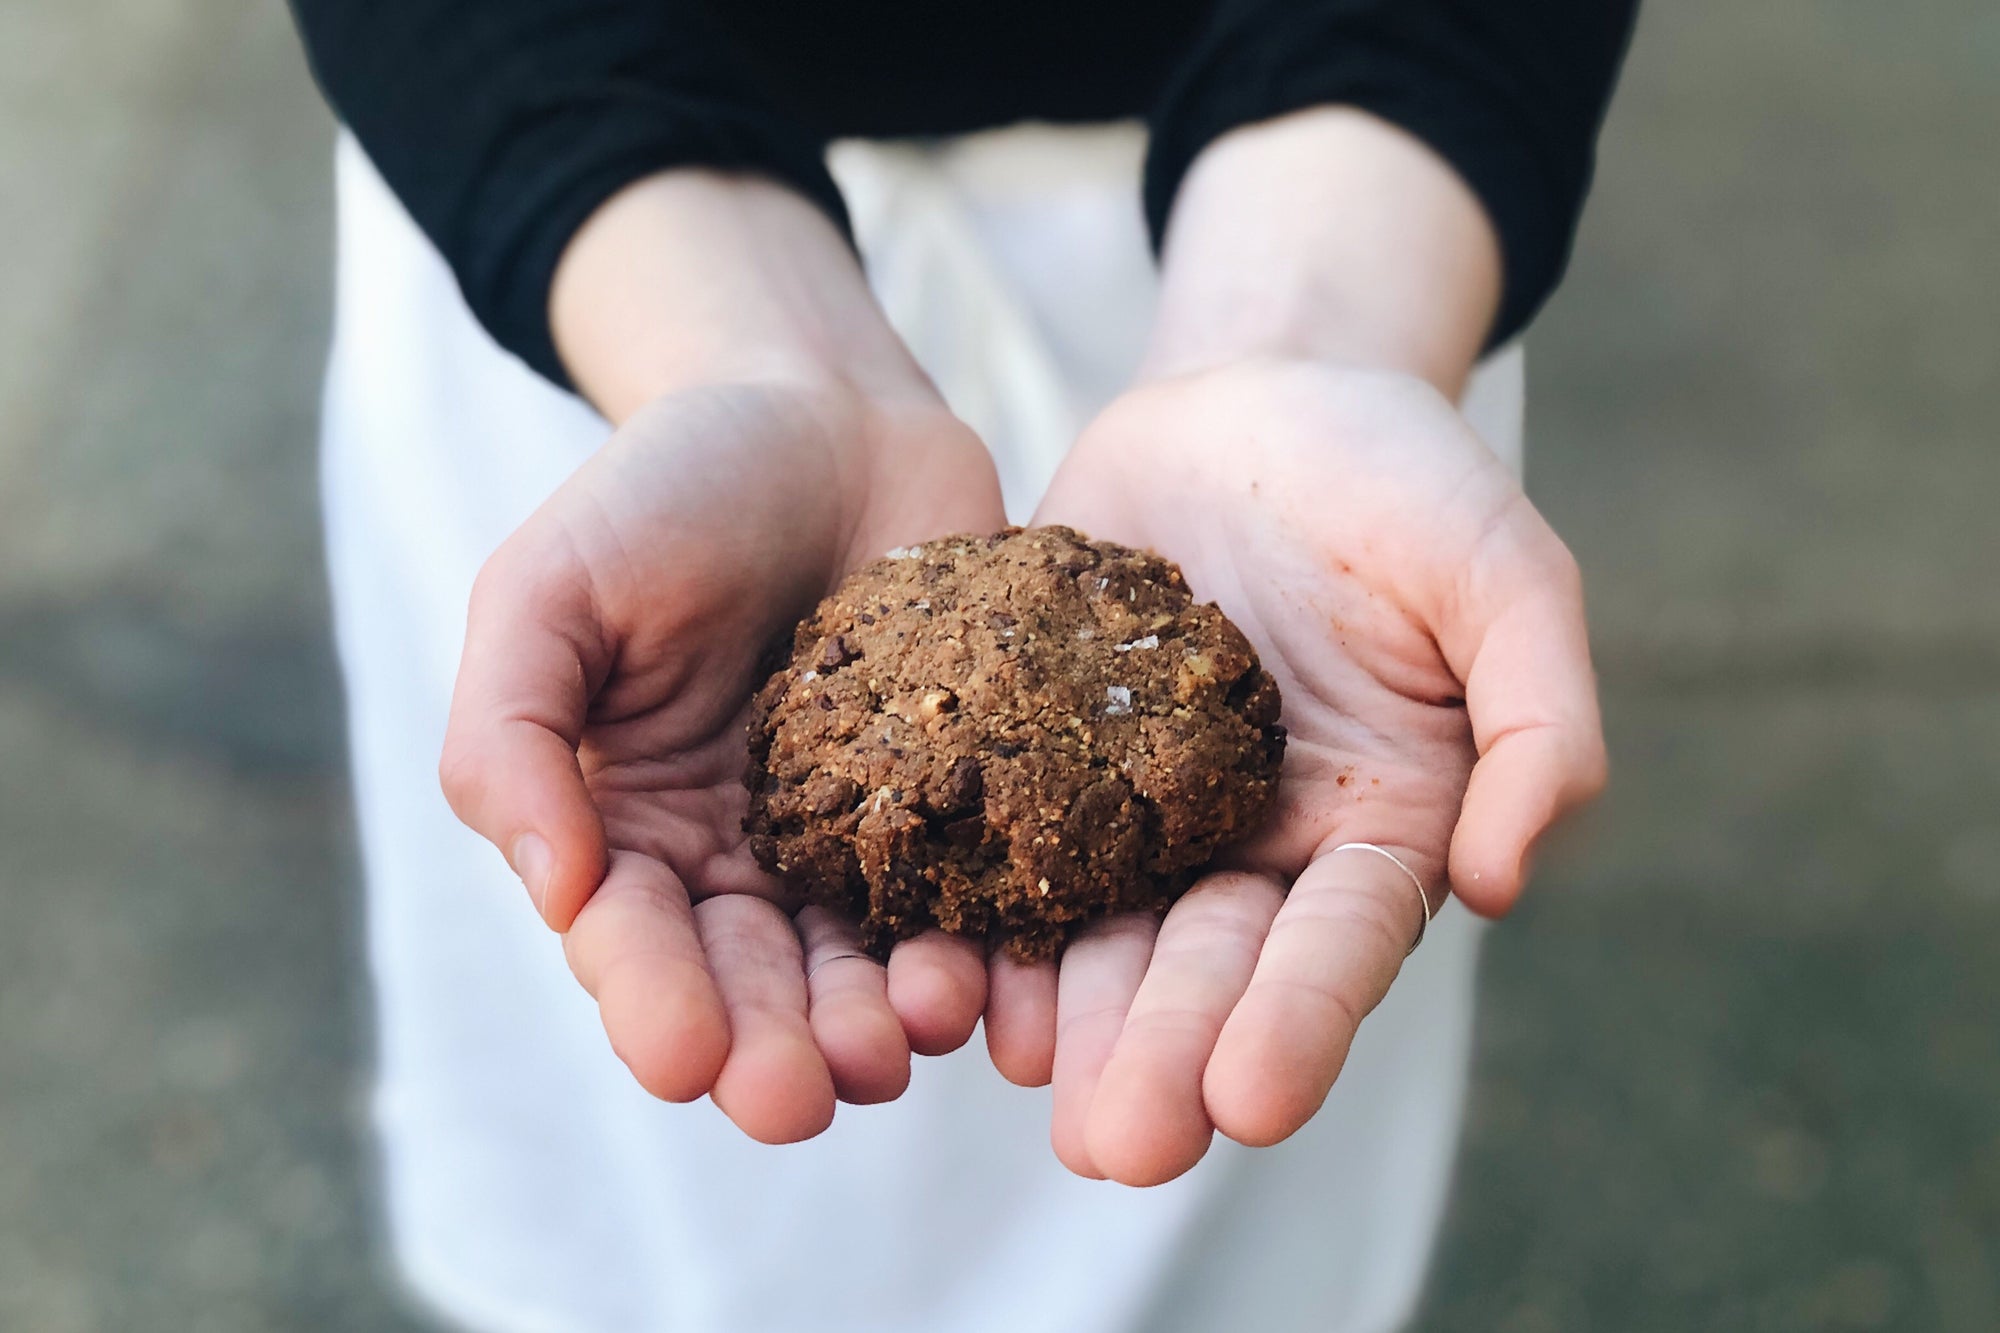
{"x": 1562, "y": 569}
{"x": 1356, "y": 912}
{"x": 460, "y": 774}
{"x": 504, "y": 586}
{"x": 1593, "y": 769}
{"x": 1106, "y": 1016}
{"x": 527, "y": 568}
{"x": 1178, "y": 1024}
{"x": 488, "y": 583}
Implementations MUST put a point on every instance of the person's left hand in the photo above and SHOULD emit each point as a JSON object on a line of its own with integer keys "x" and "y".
{"x": 1427, "y": 630}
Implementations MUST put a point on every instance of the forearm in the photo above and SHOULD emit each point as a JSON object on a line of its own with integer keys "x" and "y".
{"x": 694, "y": 276}
{"x": 1326, "y": 235}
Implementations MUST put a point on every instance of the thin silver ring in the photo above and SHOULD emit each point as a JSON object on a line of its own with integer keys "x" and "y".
{"x": 1397, "y": 862}
{"x": 834, "y": 958}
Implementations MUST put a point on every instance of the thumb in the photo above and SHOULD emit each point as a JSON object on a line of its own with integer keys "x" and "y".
{"x": 1523, "y": 651}
{"x": 533, "y": 647}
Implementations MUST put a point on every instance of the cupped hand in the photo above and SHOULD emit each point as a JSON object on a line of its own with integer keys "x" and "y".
{"x": 1427, "y": 630}
{"x": 597, "y": 736}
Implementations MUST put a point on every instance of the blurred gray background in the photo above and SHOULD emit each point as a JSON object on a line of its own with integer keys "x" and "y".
{"x": 1738, "y": 1063}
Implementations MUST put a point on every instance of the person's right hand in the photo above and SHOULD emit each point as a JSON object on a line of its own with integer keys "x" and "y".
{"x": 597, "y": 737}
{"x": 597, "y": 733}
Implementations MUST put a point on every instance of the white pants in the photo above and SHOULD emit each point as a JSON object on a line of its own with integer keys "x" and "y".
{"x": 531, "y": 1185}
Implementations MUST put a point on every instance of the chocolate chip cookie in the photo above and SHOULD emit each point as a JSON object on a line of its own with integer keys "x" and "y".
{"x": 1008, "y": 736}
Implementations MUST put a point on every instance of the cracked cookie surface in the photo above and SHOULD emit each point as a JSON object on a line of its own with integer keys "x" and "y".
{"x": 1008, "y": 736}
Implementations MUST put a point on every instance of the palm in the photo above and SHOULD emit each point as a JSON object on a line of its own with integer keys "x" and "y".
{"x": 679, "y": 804}
{"x": 698, "y": 547}
{"x": 612, "y": 646}
{"x": 1395, "y": 582}
{"x": 1375, "y": 717}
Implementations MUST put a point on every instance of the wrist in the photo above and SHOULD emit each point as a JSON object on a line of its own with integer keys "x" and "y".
{"x": 694, "y": 277}
{"x": 1326, "y": 235}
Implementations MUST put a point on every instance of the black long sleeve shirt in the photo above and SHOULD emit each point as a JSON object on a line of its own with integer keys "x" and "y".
{"x": 502, "y": 124}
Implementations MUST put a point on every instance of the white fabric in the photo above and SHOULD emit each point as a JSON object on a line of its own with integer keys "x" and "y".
{"x": 530, "y": 1184}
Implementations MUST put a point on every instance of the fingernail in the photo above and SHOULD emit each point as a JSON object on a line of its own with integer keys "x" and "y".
{"x": 533, "y": 861}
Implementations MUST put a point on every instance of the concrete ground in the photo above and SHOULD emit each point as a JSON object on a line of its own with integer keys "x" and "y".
{"x": 1738, "y": 1066}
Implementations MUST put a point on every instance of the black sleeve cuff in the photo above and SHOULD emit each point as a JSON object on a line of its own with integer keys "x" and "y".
{"x": 503, "y": 124}
{"x": 1520, "y": 130}
{"x": 557, "y": 174}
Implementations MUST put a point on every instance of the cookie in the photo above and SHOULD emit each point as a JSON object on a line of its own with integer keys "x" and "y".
{"x": 1007, "y": 737}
